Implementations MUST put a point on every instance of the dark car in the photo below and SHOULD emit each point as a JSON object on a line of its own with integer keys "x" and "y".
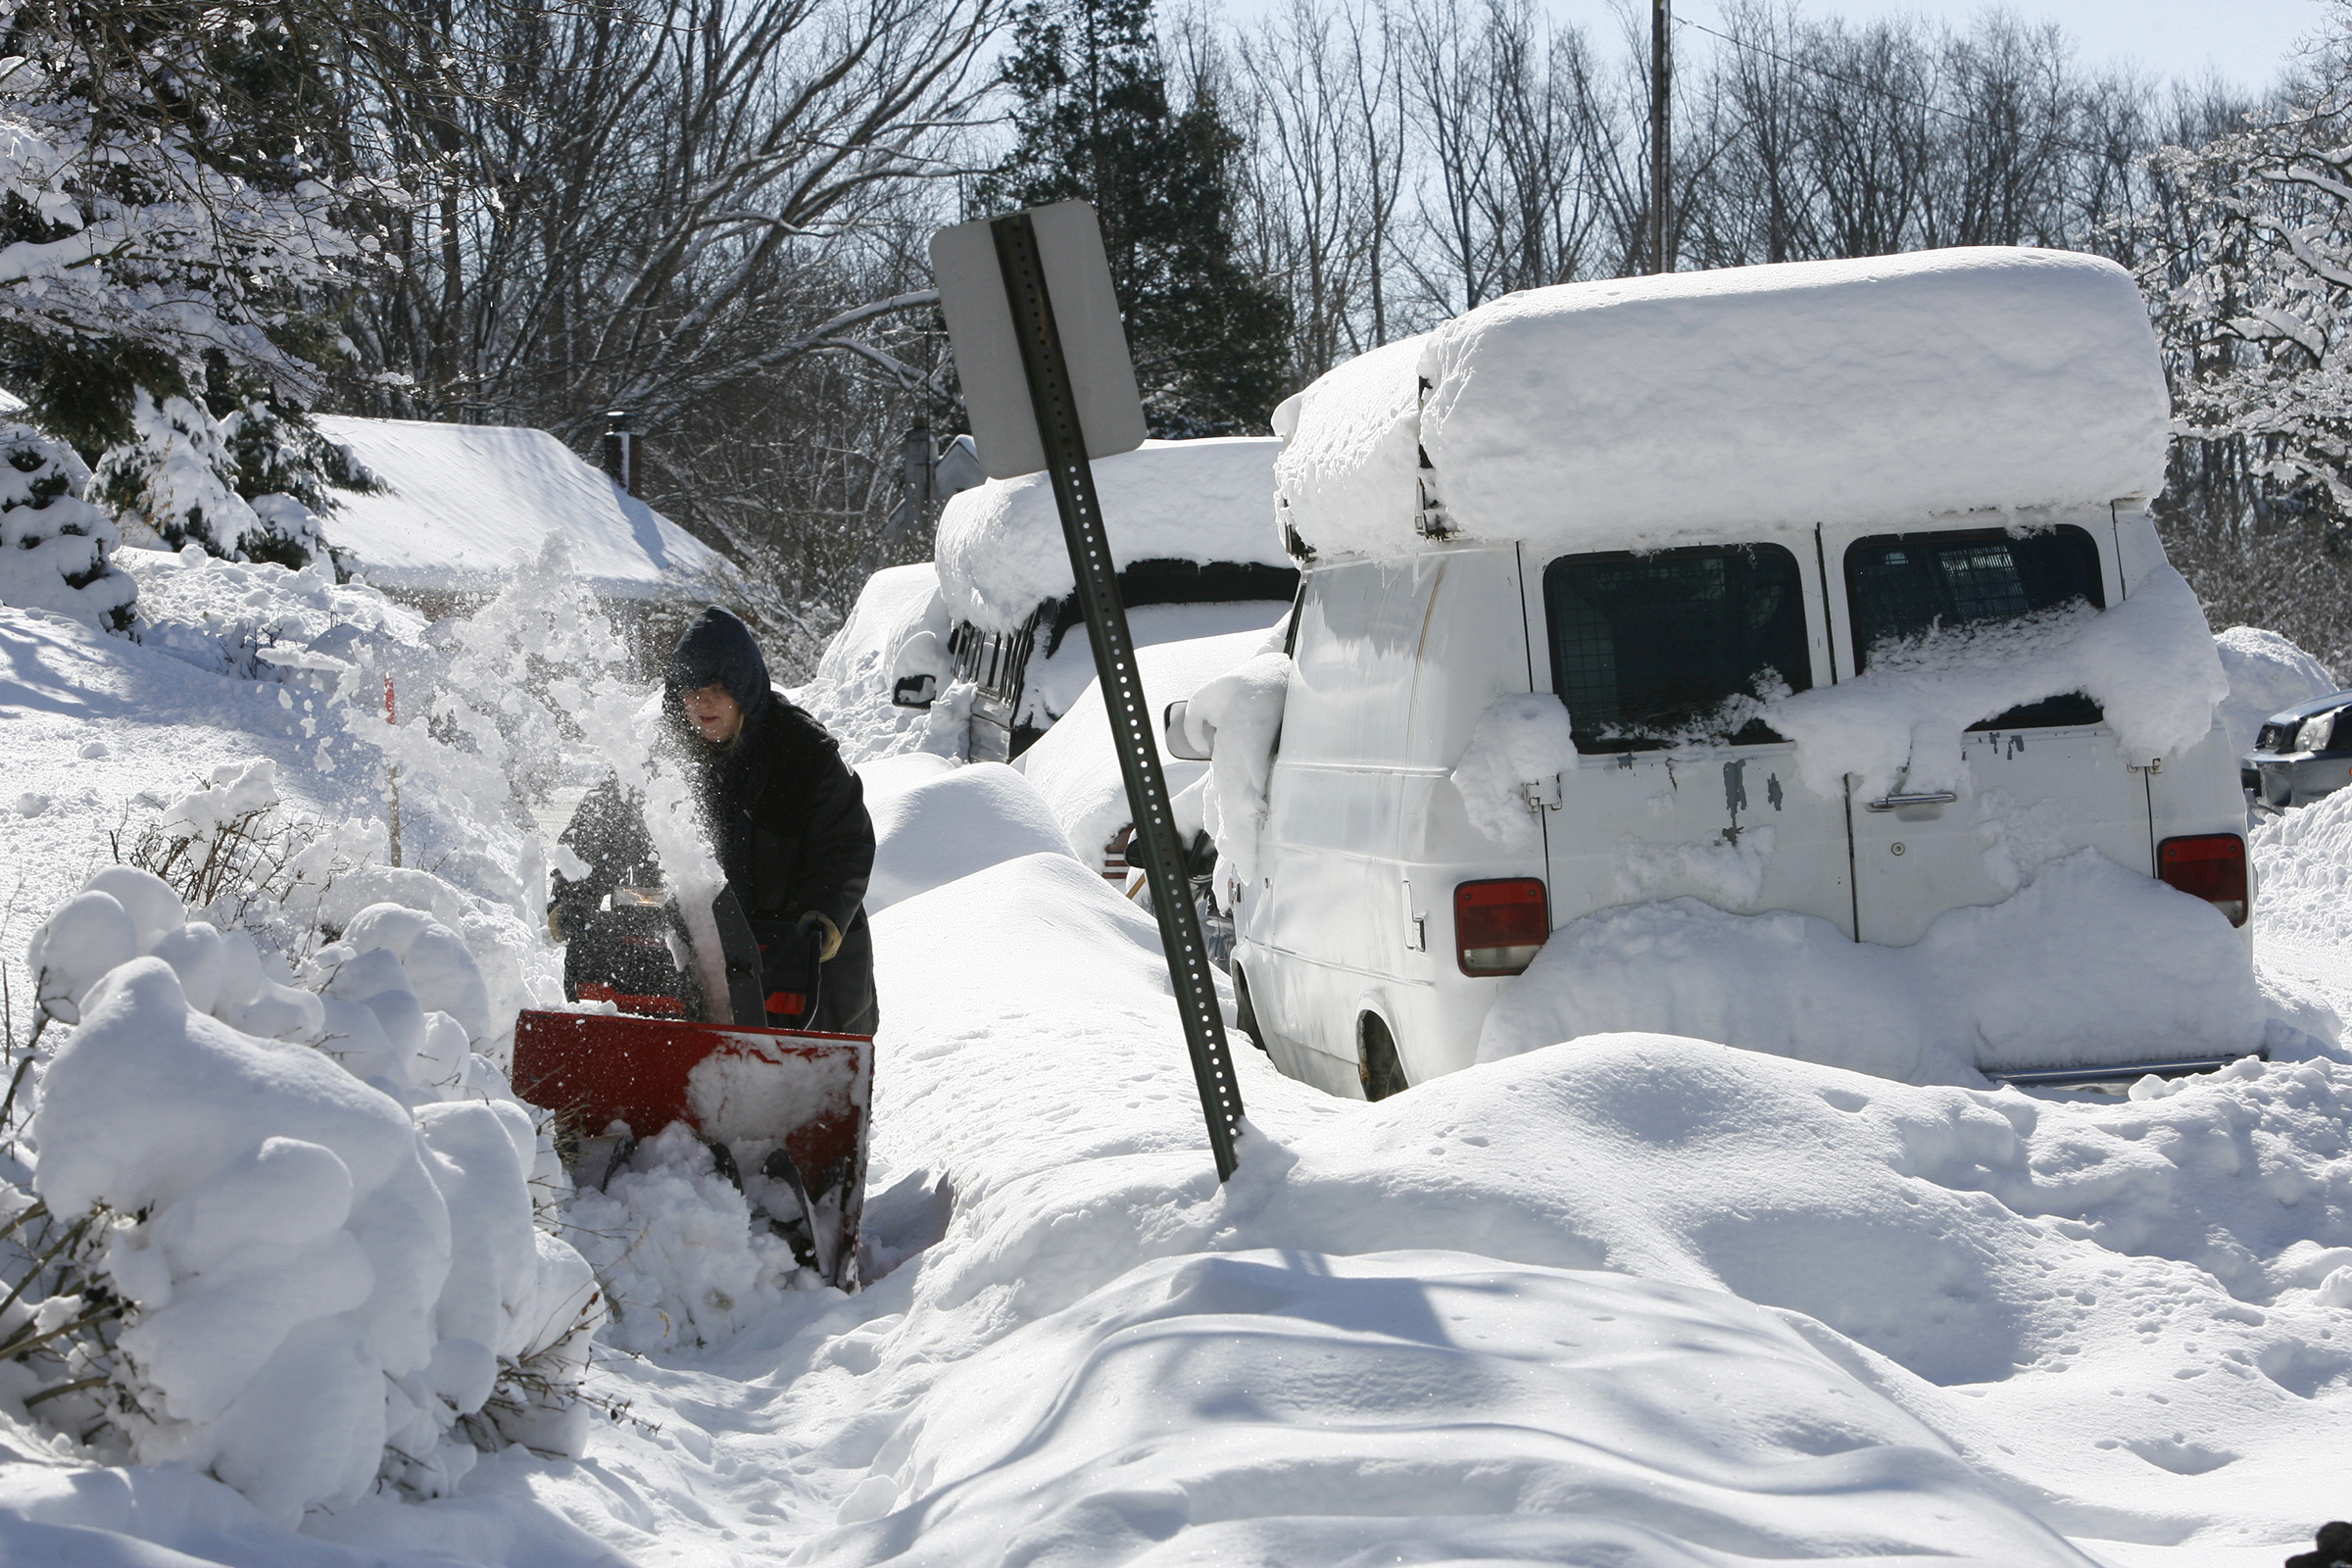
{"x": 2302, "y": 753}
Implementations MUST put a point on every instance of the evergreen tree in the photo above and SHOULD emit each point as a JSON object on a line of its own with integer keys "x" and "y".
{"x": 1095, "y": 121}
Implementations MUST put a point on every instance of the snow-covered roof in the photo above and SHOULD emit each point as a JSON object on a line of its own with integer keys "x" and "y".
{"x": 1001, "y": 552}
{"x": 1635, "y": 412}
{"x": 460, "y": 500}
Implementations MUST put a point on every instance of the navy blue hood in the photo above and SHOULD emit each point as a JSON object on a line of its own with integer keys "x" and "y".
{"x": 718, "y": 648}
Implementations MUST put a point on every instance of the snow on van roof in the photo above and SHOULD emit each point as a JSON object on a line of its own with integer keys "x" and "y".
{"x": 1643, "y": 412}
{"x": 1001, "y": 552}
{"x": 460, "y": 500}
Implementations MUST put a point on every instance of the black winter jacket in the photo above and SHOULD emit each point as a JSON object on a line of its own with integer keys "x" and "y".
{"x": 786, "y": 818}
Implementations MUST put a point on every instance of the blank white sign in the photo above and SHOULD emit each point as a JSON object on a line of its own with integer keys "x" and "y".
{"x": 987, "y": 356}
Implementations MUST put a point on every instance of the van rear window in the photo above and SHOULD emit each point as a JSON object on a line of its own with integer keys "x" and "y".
{"x": 1677, "y": 647}
{"x": 1902, "y": 586}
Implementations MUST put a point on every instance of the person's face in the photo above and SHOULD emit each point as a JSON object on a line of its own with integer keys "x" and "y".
{"x": 715, "y": 716}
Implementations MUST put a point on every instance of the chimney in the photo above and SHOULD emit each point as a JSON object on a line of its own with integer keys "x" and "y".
{"x": 620, "y": 448}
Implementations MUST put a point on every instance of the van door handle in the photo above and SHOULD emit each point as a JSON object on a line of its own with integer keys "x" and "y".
{"x": 1896, "y": 803}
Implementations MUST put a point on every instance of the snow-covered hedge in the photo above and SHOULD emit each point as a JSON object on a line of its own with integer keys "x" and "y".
{"x": 310, "y": 1195}
{"x": 56, "y": 548}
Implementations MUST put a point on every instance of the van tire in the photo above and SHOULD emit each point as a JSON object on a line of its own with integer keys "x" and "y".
{"x": 1244, "y": 1016}
{"x": 1376, "y": 1063}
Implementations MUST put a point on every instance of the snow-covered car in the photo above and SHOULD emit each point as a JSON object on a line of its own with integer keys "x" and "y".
{"x": 1784, "y": 656}
{"x": 1192, "y": 530}
{"x": 2301, "y": 754}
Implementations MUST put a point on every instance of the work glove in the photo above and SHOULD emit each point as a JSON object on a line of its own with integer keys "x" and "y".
{"x": 554, "y": 922}
{"x": 817, "y": 918}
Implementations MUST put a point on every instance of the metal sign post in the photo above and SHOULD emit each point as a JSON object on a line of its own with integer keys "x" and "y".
{"x": 1027, "y": 247}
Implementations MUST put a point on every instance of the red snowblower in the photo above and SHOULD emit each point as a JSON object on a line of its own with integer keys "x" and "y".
{"x": 783, "y": 1111}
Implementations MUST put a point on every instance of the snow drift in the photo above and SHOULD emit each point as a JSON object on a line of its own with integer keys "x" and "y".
{"x": 1639, "y": 413}
{"x": 2088, "y": 963}
{"x": 1639, "y": 1294}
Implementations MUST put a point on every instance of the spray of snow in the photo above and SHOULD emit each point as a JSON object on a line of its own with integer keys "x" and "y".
{"x": 545, "y": 632}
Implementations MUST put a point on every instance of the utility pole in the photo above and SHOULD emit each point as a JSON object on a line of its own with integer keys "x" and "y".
{"x": 1661, "y": 146}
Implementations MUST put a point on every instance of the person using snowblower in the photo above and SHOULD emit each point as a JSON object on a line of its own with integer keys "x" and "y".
{"x": 787, "y": 821}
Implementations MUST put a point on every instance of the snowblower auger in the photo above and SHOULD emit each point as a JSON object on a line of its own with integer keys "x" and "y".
{"x": 786, "y": 1107}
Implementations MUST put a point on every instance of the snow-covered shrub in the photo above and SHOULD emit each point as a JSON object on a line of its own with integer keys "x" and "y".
{"x": 260, "y": 622}
{"x": 56, "y": 548}
{"x": 177, "y": 480}
{"x": 315, "y": 1205}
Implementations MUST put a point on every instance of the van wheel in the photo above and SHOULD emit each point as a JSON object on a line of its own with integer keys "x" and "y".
{"x": 1244, "y": 1013}
{"x": 1376, "y": 1064}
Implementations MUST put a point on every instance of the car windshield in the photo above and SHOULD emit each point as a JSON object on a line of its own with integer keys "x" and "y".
{"x": 1903, "y": 586}
{"x": 1677, "y": 647}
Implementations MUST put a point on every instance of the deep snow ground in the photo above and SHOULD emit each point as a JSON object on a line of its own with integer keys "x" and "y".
{"x": 1638, "y": 1301}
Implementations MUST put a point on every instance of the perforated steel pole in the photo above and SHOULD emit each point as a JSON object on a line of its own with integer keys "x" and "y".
{"x": 1123, "y": 698}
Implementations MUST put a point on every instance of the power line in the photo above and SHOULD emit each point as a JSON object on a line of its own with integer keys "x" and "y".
{"x": 1887, "y": 93}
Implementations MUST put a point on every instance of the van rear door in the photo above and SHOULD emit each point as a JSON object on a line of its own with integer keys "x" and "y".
{"x": 1680, "y": 789}
{"x": 2041, "y": 780}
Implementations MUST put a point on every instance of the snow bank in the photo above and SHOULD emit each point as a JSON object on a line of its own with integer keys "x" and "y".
{"x": 898, "y": 628}
{"x": 2088, "y": 963}
{"x": 1000, "y": 551}
{"x": 1635, "y": 412}
{"x": 317, "y": 1204}
{"x": 957, "y": 822}
{"x": 2304, "y": 858}
{"x": 1075, "y": 767}
{"x": 2268, "y": 674}
{"x": 460, "y": 501}
{"x": 1916, "y": 1304}
{"x": 2150, "y": 662}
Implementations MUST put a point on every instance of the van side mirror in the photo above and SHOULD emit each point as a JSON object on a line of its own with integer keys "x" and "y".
{"x": 1179, "y": 739}
{"x": 915, "y": 691}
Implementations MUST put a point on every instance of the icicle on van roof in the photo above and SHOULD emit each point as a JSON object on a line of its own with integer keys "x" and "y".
{"x": 460, "y": 500}
{"x": 1643, "y": 413}
{"x": 1000, "y": 552}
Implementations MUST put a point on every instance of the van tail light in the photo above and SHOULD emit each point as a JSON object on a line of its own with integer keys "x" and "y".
{"x": 2208, "y": 865}
{"x": 1499, "y": 926}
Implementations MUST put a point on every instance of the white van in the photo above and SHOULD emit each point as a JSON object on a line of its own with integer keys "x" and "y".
{"x": 1753, "y": 655}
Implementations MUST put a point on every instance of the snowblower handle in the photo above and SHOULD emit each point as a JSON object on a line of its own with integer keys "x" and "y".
{"x": 795, "y": 989}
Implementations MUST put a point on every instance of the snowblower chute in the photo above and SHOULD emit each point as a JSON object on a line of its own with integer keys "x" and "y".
{"x": 783, "y": 1111}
